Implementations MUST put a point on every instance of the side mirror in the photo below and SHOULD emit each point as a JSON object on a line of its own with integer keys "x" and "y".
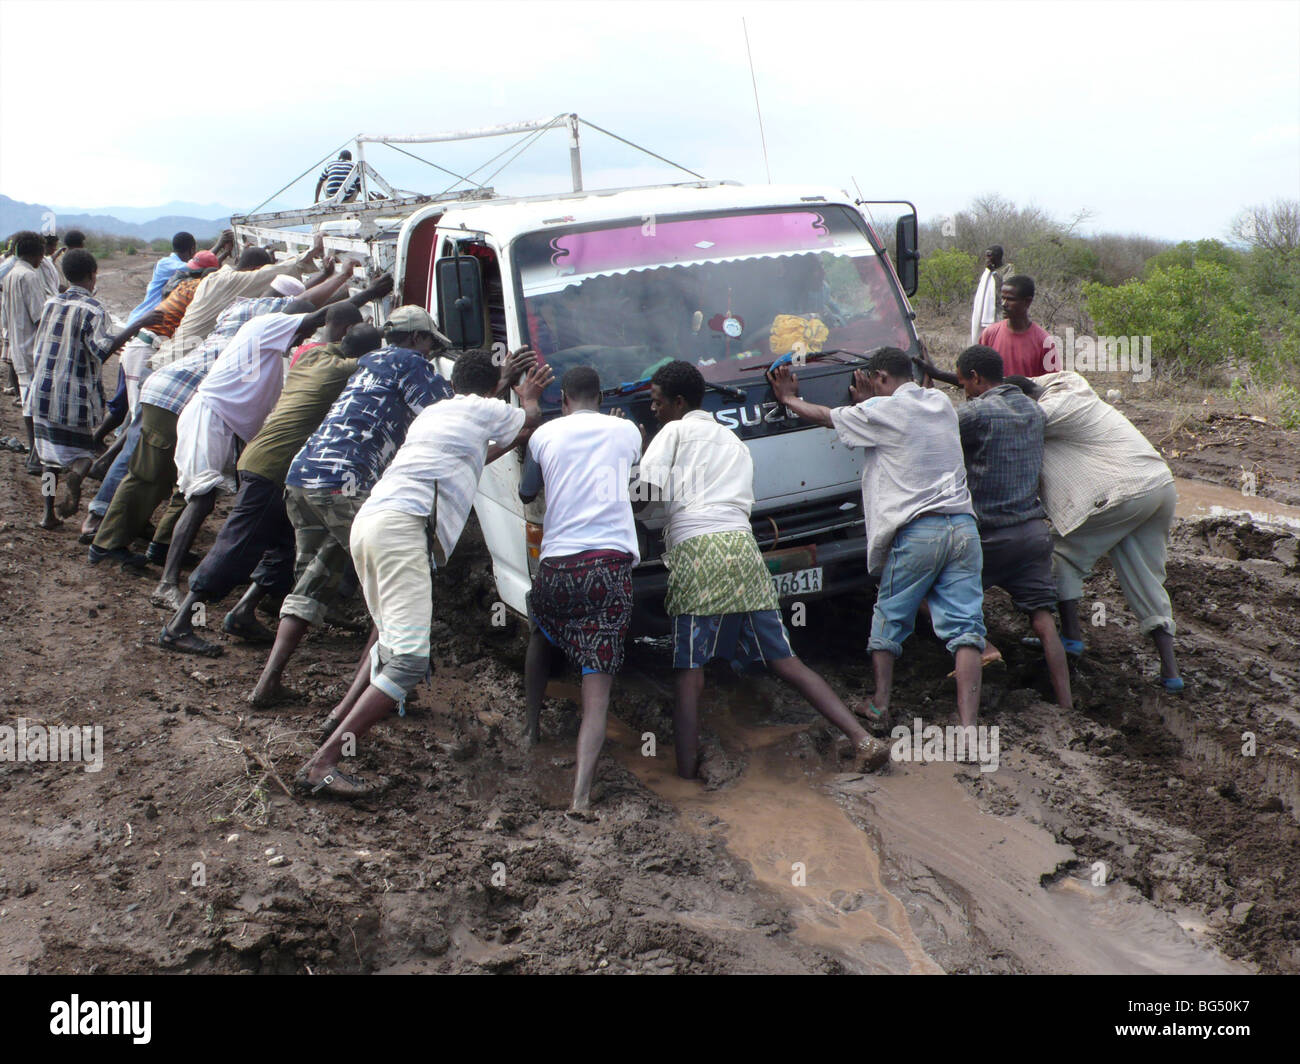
{"x": 459, "y": 282}
{"x": 907, "y": 256}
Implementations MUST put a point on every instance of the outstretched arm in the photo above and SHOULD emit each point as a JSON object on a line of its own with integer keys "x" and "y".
{"x": 785, "y": 386}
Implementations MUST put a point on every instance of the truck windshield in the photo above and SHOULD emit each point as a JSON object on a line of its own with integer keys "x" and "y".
{"x": 726, "y": 291}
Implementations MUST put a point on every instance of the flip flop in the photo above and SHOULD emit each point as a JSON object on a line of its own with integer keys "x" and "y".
{"x": 189, "y": 644}
{"x": 248, "y": 631}
{"x": 1172, "y": 684}
{"x": 877, "y": 720}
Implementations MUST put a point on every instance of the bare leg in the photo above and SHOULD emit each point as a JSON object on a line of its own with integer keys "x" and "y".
{"x": 360, "y": 681}
{"x": 1165, "y": 648}
{"x": 372, "y": 707}
{"x": 882, "y": 665}
{"x": 537, "y": 667}
{"x": 72, "y": 488}
{"x": 287, "y": 637}
{"x": 591, "y": 736}
{"x": 820, "y": 696}
{"x": 49, "y": 484}
{"x": 1045, "y": 626}
{"x": 184, "y": 534}
{"x": 688, "y": 683}
{"x": 969, "y": 675}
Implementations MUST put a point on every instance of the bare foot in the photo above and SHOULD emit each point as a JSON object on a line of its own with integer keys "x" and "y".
{"x": 166, "y": 596}
{"x": 273, "y": 695}
{"x": 49, "y": 522}
{"x": 69, "y": 496}
{"x": 872, "y": 755}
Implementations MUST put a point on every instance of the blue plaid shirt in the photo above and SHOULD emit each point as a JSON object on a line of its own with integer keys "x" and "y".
{"x": 73, "y": 339}
{"x": 172, "y": 386}
{"x": 1002, "y": 438}
{"x": 368, "y": 422}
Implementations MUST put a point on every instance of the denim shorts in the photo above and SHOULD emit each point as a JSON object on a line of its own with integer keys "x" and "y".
{"x": 935, "y": 558}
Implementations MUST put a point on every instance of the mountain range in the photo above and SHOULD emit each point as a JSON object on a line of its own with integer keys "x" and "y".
{"x": 144, "y": 223}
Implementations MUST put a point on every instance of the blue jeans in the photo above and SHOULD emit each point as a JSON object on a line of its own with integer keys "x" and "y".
{"x": 117, "y": 471}
{"x": 936, "y": 559}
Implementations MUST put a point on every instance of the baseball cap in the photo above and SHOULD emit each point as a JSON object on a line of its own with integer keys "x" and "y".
{"x": 410, "y": 319}
{"x": 204, "y": 260}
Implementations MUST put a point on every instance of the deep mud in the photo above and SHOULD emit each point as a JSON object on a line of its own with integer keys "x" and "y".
{"x": 1128, "y": 835}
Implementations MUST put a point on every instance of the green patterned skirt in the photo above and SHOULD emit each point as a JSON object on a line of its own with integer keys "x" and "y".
{"x": 719, "y": 572}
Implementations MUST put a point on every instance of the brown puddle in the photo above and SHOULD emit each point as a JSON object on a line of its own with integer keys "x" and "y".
{"x": 777, "y": 818}
{"x": 1197, "y": 498}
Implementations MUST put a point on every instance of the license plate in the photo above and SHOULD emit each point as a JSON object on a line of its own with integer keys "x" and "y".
{"x": 800, "y": 582}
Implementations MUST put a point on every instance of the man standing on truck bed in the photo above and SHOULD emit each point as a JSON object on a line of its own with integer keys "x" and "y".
{"x": 922, "y": 540}
{"x": 581, "y": 601}
{"x": 720, "y": 594}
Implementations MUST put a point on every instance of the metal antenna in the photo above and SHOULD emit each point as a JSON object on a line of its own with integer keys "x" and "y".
{"x": 761, "y": 135}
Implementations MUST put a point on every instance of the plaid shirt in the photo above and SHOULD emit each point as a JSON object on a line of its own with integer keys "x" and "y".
{"x": 232, "y": 319}
{"x": 1002, "y": 437}
{"x": 73, "y": 339}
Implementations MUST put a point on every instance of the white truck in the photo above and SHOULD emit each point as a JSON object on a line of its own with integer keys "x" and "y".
{"x": 726, "y": 276}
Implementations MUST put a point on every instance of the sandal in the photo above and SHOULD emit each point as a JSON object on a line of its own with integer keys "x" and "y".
{"x": 189, "y": 644}
{"x": 1073, "y": 647}
{"x": 248, "y": 631}
{"x": 1172, "y": 684}
{"x": 335, "y": 784}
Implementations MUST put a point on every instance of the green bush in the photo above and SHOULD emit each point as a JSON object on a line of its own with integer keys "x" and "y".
{"x": 1197, "y": 317}
{"x": 946, "y": 276}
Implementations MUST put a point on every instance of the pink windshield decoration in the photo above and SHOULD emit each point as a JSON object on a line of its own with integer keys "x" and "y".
{"x": 691, "y": 240}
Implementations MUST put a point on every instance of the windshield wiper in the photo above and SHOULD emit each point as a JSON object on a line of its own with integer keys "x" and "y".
{"x": 631, "y": 387}
{"x": 788, "y": 359}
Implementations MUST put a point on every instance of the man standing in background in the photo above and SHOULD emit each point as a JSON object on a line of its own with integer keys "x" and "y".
{"x": 24, "y": 294}
{"x": 988, "y": 294}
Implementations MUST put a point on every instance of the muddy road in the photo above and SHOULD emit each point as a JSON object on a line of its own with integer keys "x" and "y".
{"x": 1140, "y": 832}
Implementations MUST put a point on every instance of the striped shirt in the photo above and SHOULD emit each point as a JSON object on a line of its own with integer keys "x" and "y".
{"x": 173, "y": 307}
{"x": 24, "y": 298}
{"x": 72, "y": 341}
{"x": 334, "y": 175}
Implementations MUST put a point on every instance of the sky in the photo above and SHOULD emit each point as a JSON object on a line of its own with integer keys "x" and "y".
{"x": 1160, "y": 118}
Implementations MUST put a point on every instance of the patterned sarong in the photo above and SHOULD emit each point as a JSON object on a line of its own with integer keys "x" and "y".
{"x": 583, "y": 605}
{"x": 719, "y": 572}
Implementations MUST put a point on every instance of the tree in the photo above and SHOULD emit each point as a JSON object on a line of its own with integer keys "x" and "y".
{"x": 946, "y": 277}
{"x": 1197, "y": 317}
{"x": 1274, "y": 227}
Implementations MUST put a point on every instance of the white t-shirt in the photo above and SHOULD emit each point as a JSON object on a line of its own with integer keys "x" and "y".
{"x": 704, "y": 476}
{"x": 245, "y": 382}
{"x": 435, "y": 473}
{"x": 586, "y": 460}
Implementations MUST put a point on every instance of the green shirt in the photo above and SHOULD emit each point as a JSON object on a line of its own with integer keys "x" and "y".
{"x": 311, "y": 387}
